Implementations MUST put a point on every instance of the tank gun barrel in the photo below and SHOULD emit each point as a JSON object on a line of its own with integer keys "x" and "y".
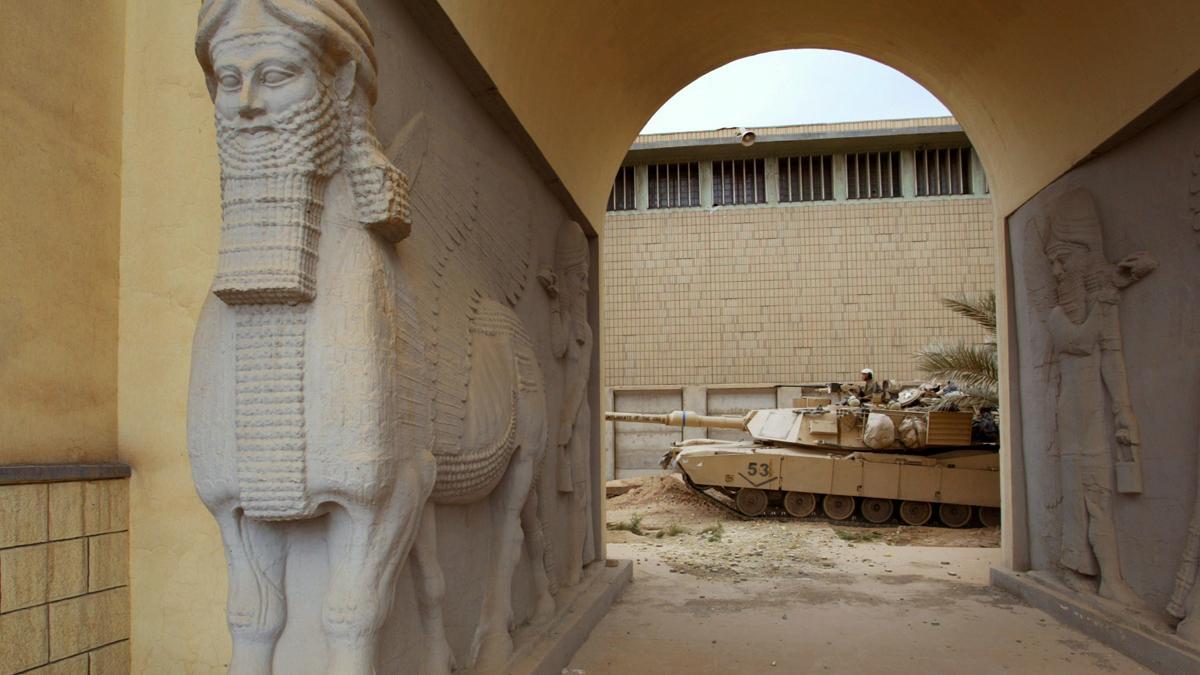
{"x": 680, "y": 418}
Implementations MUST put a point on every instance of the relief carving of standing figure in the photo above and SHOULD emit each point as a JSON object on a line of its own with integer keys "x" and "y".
{"x": 1085, "y": 334}
{"x": 571, "y": 337}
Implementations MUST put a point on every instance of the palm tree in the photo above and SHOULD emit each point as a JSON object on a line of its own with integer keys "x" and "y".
{"x": 973, "y": 367}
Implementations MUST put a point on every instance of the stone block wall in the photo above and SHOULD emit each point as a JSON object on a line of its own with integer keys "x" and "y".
{"x": 788, "y": 293}
{"x": 64, "y": 578}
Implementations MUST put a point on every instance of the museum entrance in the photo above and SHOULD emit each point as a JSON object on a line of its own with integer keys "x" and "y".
{"x": 815, "y": 295}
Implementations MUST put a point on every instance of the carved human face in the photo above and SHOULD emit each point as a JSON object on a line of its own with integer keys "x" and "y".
{"x": 1069, "y": 263}
{"x": 257, "y": 81}
{"x": 1068, "y": 260}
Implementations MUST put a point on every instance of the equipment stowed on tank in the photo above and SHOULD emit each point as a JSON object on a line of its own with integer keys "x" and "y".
{"x": 882, "y": 461}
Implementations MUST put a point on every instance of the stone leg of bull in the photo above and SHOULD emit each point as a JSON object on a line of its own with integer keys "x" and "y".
{"x": 368, "y": 541}
{"x": 437, "y": 657}
{"x": 535, "y": 548}
{"x": 256, "y": 554}
{"x": 493, "y": 647}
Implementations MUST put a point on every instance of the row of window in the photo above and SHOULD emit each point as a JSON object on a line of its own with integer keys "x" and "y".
{"x": 869, "y": 175}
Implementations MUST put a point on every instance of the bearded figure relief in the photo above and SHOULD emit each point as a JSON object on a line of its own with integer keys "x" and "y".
{"x": 567, "y": 286}
{"x": 1098, "y": 457}
{"x": 318, "y": 389}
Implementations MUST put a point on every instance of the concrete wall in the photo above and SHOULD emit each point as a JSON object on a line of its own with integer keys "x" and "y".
{"x": 791, "y": 292}
{"x": 60, "y": 210}
{"x": 1146, "y": 196}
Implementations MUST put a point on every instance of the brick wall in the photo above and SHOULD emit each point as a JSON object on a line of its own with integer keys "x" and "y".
{"x": 789, "y": 292}
{"x": 64, "y": 578}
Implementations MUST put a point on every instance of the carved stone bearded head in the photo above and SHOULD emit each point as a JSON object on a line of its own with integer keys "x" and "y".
{"x": 1074, "y": 247}
{"x": 571, "y": 260}
{"x": 292, "y": 82}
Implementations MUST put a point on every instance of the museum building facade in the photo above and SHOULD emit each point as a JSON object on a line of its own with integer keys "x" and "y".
{"x": 791, "y": 254}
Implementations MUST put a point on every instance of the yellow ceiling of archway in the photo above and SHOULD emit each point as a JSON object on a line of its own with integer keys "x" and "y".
{"x": 1036, "y": 84}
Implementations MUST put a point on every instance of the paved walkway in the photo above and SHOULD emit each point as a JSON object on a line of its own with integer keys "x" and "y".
{"x": 880, "y": 610}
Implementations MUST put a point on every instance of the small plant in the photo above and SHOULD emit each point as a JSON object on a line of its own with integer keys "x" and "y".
{"x": 634, "y": 525}
{"x": 671, "y": 530}
{"x": 713, "y": 532}
{"x": 852, "y": 535}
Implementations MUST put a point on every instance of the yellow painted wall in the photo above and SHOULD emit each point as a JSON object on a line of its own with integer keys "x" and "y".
{"x": 1036, "y": 89}
{"x": 60, "y": 192}
{"x": 1036, "y": 85}
{"x": 169, "y": 231}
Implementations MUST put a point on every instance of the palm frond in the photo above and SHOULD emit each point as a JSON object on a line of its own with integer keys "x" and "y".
{"x": 967, "y": 365}
{"x": 980, "y": 308}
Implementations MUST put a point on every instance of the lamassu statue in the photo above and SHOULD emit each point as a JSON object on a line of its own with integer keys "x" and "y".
{"x": 312, "y": 380}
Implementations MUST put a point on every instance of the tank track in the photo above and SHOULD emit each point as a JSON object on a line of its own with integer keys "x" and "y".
{"x": 778, "y": 513}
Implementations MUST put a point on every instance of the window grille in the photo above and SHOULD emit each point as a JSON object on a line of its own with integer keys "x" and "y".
{"x": 673, "y": 185}
{"x": 806, "y": 179}
{"x": 873, "y": 175}
{"x": 622, "y": 196}
{"x": 943, "y": 171}
{"x": 739, "y": 181}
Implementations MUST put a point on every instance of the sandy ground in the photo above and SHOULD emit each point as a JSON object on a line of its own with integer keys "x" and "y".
{"x": 793, "y": 596}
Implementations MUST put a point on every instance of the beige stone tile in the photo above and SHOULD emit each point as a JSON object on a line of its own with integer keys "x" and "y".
{"x": 67, "y": 569}
{"x": 22, "y": 515}
{"x": 76, "y": 665}
{"x": 106, "y": 506}
{"x": 108, "y": 561}
{"x": 22, "y": 577}
{"x": 23, "y": 639}
{"x": 89, "y": 621}
{"x": 66, "y": 510}
{"x": 111, "y": 660}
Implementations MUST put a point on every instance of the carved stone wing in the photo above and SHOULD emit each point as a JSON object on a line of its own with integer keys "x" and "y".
{"x": 472, "y": 235}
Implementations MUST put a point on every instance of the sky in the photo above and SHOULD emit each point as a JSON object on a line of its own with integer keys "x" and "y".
{"x": 795, "y": 86}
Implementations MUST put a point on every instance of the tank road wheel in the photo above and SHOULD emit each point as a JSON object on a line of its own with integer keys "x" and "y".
{"x": 800, "y": 504}
{"x": 877, "y": 510}
{"x": 838, "y": 507}
{"x": 954, "y": 515}
{"x": 916, "y": 513}
{"x": 989, "y": 516}
{"x": 751, "y": 502}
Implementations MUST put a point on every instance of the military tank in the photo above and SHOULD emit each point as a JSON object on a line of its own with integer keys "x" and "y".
{"x": 843, "y": 457}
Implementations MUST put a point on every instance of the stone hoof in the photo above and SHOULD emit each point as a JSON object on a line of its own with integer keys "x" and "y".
{"x": 252, "y": 658}
{"x": 352, "y": 657}
{"x": 1189, "y": 630}
{"x": 438, "y": 659}
{"x": 495, "y": 652}
{"x": 1079, "y": 583}
{"x": 544, "y": 611}
{"x": 1119, "y": 591}
{"x": 574, "y": 576}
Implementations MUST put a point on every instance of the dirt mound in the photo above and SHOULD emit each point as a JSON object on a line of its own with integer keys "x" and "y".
{"x": 662, "y": 493}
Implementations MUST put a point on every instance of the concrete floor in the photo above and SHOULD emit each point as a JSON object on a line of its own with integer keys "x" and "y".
{"x": 880, "y": 609}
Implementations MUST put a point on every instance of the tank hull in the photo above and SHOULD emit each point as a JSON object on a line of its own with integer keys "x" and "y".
{"x": 960, "y": 478}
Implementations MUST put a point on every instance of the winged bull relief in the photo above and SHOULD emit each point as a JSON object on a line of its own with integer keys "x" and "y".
{"x": 328, "y": 384}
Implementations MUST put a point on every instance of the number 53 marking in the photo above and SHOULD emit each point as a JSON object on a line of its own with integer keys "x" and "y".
{"x": 758, "y": 469}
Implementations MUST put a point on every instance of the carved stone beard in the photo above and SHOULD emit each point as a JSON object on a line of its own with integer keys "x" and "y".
{"x": 576, "y": 308}
{"x": 272, "y": 189}
{"x": 1073, "y": 296}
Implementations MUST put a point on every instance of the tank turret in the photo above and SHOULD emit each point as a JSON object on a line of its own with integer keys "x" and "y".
{"x": 833, "y": 427}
